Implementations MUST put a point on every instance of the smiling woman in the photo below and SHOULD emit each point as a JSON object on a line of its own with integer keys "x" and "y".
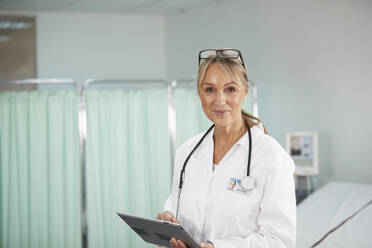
{"x": 219, "y": 198}
{"x": 221, "y": 99}
{"x": 221, "y": 76}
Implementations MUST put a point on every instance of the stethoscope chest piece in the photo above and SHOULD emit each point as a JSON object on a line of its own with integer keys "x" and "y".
{"x": 248, "y": 183}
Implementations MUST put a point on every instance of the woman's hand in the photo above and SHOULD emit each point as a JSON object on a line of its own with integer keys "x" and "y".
{"x": 176, "y": 243}
{"x": 206, "y": 245}
{"x": 167, "y": 216}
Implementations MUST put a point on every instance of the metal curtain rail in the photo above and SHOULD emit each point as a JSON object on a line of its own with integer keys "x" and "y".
{"x": 172, "y": 121}
{"x": 82, "y": 118}
{"x": 126, "y": 81}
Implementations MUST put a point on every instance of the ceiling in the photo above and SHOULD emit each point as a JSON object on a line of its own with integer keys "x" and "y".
{"x": 113, "y": 6}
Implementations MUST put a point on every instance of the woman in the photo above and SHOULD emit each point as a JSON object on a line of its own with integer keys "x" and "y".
{"x": 233, "y": 186}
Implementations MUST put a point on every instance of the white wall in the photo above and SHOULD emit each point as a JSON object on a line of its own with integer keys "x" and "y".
{"x": 311, "y": 60}
{"x": 81, "y": 46}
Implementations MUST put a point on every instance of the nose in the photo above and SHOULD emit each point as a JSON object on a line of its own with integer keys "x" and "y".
{"x": 220, "y": 98}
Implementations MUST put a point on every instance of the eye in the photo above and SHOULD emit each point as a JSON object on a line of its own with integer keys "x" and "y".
{"x": 231, "y": 89}
{"x": 209, "y": 90}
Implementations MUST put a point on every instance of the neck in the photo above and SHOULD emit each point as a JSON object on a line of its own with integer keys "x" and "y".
{"x": 232, "y": 132}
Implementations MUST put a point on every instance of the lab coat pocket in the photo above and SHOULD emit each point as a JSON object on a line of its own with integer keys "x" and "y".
{"x": 239, "y": 211}
{"x": 239, "y": 201}
{"x": 247, "y": 205}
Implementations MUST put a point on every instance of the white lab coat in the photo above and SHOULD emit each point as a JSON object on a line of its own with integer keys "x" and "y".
{"x": 265, "y": 217}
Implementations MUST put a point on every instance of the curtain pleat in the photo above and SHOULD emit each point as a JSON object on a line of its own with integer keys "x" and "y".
{"x": 40, "y": 172}
{"x": 128, "y": 161}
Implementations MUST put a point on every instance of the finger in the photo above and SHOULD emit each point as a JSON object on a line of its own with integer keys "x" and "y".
{"x": 161, "y": 216}
{"x": 181, "y": 244}
{"x": 173, "y": 243}
{"x": 205, "y": 245}
{"x": 169, "y": 216}
{"x": 172, "y": 219}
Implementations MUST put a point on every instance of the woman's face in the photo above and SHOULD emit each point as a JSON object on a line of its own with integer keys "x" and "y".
{"x": 221, "y": 97}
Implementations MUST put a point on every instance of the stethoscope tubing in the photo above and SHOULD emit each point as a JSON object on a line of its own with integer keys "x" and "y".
{"x": 182, "y": 174}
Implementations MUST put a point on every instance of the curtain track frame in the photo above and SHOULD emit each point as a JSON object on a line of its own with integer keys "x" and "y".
{"x": 81, "y": 88}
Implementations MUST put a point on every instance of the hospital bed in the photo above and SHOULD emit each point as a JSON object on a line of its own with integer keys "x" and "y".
{"x": 337, "y": 215}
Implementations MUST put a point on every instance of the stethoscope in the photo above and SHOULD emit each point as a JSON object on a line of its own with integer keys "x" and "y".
{"x": 247, "y": 183}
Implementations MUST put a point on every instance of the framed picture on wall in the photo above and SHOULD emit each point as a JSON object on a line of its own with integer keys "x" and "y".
{"x": 17, "y": 47}
{"x": 303, "y": 148}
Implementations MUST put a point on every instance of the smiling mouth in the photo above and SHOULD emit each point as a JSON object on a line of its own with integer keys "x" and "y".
{"x": 220, "y": 112}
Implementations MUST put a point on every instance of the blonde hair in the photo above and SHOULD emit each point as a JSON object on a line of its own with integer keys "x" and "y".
{"x": 238, "y": 73}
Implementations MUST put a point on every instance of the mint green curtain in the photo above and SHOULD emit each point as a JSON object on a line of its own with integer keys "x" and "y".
{"x": 128, "y": 165}
{"x": 39, "y": 169}
{"x": 190, "y": 117}
{"x": 128, "y": 161}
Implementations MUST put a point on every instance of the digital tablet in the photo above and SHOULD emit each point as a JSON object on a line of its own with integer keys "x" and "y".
{"x": 158, "y": 232}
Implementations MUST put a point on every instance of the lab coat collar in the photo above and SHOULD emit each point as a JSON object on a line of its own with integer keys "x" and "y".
{"x": 207, "y": 145}
{"x": 256, "y": 131}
